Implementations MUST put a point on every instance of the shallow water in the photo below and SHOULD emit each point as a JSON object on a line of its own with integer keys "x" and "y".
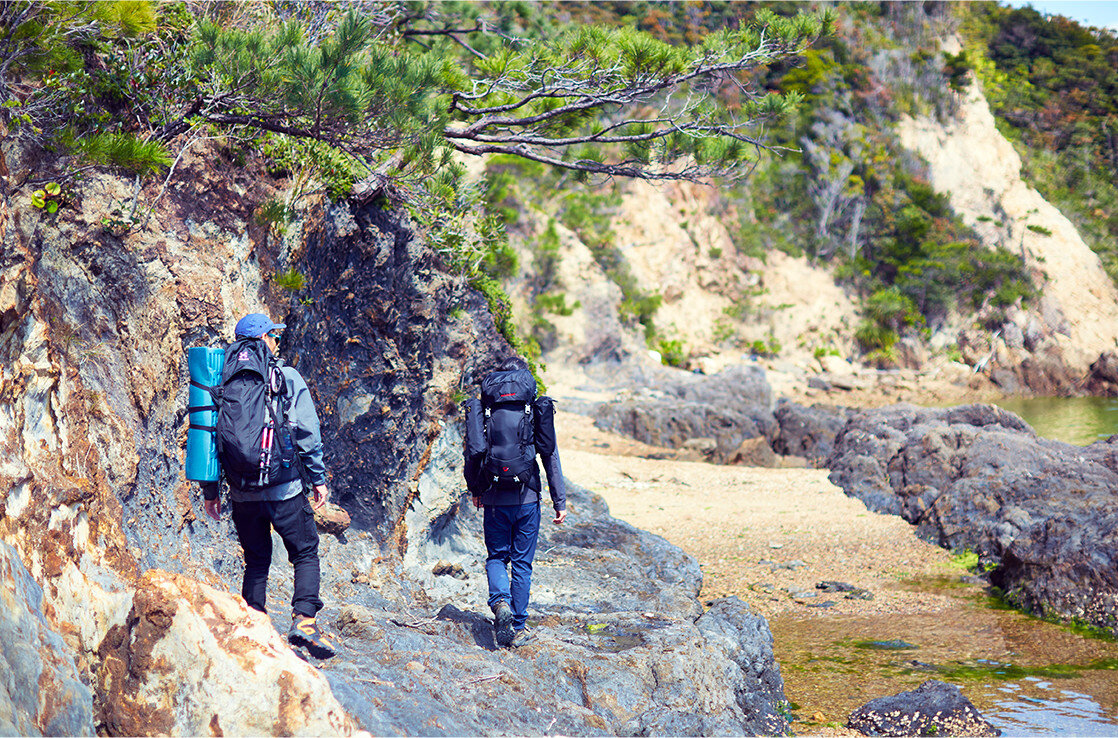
{"x": 1027, "y": 677}
{"x": 1078, "y": 420}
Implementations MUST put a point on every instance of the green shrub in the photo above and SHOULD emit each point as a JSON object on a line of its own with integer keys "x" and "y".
{"x": 766, "y": 349}
{"x": 275, "y": 214}
{"x": 125, "y": 150}
{"x": 891, "y": 309}
{"x": 556, "y": 303}
{"x": 957, "y": 67}
{"x": 291, "y": 280}
{"x": 672, "y": 352}
{"x": 883, "y": 358}
{"x": 873, "y": 336}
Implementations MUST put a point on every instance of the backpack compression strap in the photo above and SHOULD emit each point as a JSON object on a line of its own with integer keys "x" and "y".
{"x": 195, "y": 408}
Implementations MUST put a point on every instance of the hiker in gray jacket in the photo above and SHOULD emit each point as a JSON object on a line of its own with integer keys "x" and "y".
{"x": 279, "y": 503}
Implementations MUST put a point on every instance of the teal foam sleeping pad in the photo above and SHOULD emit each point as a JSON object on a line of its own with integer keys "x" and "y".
{"x": 205, "y": 366}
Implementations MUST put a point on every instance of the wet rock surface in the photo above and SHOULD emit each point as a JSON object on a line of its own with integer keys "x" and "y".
{"x": 1040, "y": 513}
{"x": 619, "y": 646}
{"x": 933, "y": 708}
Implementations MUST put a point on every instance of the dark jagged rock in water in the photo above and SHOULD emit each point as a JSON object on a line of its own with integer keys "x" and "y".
{"x": 808, "y": 431}
{"x": 671, "y": 407}
{"x": 977, "y": 477}
{"x": 933, "y": 708}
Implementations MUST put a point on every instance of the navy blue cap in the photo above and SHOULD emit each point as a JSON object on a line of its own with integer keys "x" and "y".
{"x": 255, "y": 325}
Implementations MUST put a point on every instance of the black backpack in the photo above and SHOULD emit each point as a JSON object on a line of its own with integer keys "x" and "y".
{"x": 504, "y": 430}
{"x": 254, "y": 444}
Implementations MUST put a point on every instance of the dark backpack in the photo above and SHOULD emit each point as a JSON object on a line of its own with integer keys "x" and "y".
{"x": 500, "y": 438}
{"x": 505, "y": 430}
{"x": 254, "y": 443}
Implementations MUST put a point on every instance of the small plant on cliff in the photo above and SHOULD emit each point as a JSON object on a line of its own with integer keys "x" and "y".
{"x": 291, "y": 280}
{"x": 275, "y": 215}
{"x": 125, "y": 150}
{"x": 672, "y": 352}
{"x": 766, "y": 349}
{"x": 48, "y": 198}
{"x": 500, "y": 307}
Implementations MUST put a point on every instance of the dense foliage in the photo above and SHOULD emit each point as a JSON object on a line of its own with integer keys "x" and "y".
{"x": 837, "y": 186}
{"x": 382, "y": 96}
{"x": 1053, "y": 84}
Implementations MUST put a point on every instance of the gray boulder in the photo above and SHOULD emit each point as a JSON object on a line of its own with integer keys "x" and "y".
{"x": 808, "y": 431}
{"x": 933, "y": 708}
{"x": 668, "y": 408}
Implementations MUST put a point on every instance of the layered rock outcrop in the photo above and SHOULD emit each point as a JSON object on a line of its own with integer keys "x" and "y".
{"x": 1040, "y": 513}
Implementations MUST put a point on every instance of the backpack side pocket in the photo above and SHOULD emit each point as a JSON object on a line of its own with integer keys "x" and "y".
{"x": 544, "y": 425}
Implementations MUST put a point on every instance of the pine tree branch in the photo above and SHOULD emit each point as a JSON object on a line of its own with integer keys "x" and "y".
{"x": 631, "y": 169}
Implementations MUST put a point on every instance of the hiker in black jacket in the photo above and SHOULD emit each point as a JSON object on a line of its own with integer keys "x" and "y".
{"x": 503, "y": 477}
{"x": 281, "y": 503}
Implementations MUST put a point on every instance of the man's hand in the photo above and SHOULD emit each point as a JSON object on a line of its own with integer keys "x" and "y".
{"x": 318, "y": 498}
{"x": 213, "y": 508}
{"x": 560, "y": 516}
{"x": 477, "y": 501}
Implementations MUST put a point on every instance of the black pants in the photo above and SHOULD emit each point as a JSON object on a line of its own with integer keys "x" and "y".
{"x": 293, "y": 519}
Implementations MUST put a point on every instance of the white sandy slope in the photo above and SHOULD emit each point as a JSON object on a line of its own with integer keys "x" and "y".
{"x": 979, "y": 169}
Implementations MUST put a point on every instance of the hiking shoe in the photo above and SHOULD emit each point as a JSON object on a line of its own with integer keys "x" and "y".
{"x": 304, "y": 632}
{"x": 502, "y": 623}
{"x": 522, "y": 636}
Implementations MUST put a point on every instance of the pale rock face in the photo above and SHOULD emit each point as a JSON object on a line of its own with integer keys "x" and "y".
{"x": 41, "y": 692}
{"x": 974, "y": 164}
{"x": 677, "y": 248}
{"x": 180, "y": 663}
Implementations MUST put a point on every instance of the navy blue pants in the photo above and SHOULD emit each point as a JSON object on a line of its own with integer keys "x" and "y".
{"x": 293, "y": 519}
{"x": 510, "y": 537}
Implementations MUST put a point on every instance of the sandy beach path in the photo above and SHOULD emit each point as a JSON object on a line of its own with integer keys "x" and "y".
{"x": 768, "y": 536}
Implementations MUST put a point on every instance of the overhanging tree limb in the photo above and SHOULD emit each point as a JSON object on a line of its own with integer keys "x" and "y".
{"x": 594, "y": 88}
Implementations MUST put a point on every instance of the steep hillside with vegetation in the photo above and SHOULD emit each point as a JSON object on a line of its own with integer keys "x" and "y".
{"x": 1053, "y": 86}
{"x": 924, "y": 283}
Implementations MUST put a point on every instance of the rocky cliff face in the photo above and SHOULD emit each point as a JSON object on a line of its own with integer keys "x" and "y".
{"x": 717, "y": 301}
{"x": 118, "y": 612}
{"x": 972, "y": 162}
